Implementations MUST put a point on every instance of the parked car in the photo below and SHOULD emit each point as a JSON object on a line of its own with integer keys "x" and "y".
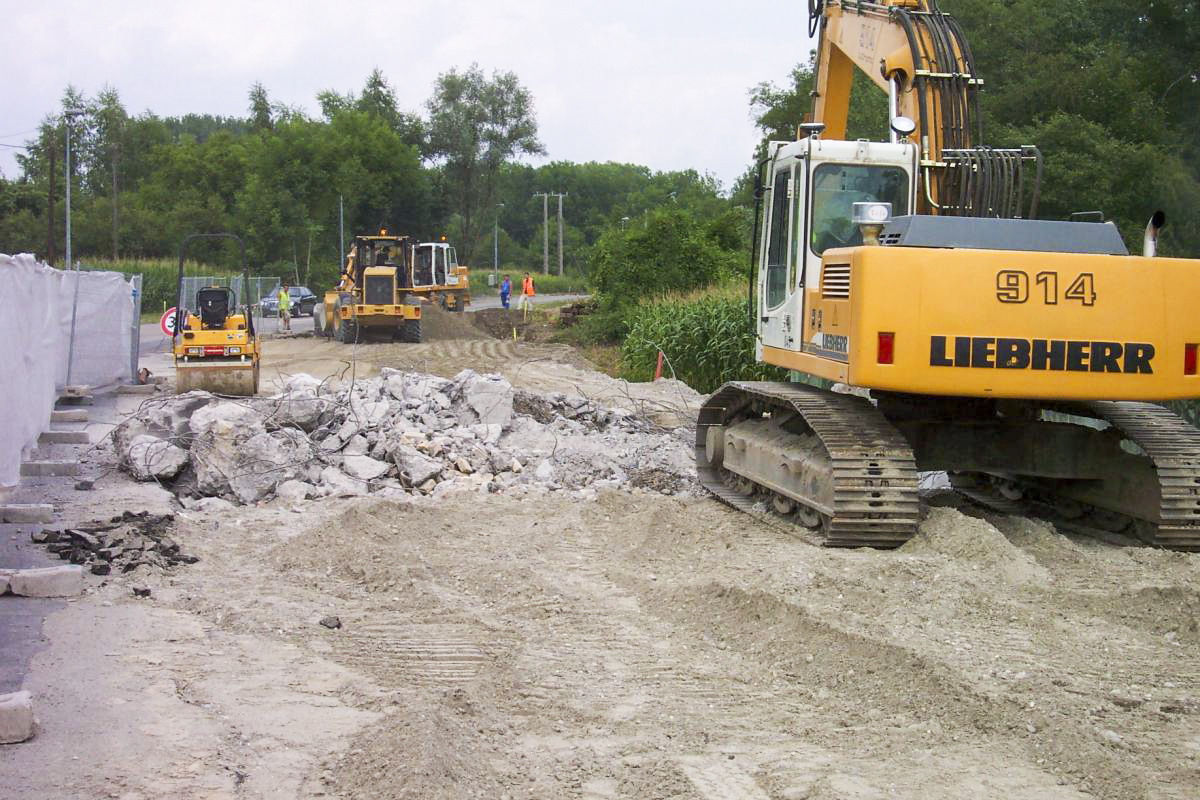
{"x": 303, "y": 301}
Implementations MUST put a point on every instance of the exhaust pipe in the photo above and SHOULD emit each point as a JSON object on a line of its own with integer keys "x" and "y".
{"x": 1150, "y": 243}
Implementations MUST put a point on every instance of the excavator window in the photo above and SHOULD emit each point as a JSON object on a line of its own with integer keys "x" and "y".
{"x": 777, "y": 267}
{"x": 837, "y": 187}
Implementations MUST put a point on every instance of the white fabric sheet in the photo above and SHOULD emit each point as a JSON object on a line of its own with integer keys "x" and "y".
{"x": 35, "y": 333}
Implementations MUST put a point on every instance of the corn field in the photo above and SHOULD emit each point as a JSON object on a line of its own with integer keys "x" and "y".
{"x": 706, "y": 338}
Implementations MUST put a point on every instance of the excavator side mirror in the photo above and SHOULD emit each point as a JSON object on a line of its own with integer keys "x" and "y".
{"x": 903, "y": 126}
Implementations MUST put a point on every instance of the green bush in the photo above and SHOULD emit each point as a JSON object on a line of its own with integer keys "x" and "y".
{"x": 707, "y": 338}
{"x": 670, "y": 252}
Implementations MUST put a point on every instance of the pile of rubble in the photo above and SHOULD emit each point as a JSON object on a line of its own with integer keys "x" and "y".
{"x": 399, "y": 433}
{"x": 123, "y": 543}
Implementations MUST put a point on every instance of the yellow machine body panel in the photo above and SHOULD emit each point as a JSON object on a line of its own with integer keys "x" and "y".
{"x": 984, "y": 323}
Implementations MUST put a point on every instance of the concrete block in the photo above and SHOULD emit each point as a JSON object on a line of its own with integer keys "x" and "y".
{"x": 76, "y": 396}
{"x": 69, "y": 415}
{"x": 16, "y": 717}
{"x": 63, "y": 437}
{"x": 49, "y": 469}
{"x": 64, "y": 581}
{"x": 24, "y": 513}
{"x": 137, "y": 388}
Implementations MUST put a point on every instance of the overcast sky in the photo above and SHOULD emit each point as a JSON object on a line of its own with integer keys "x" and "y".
{"x": 663, "y": 84}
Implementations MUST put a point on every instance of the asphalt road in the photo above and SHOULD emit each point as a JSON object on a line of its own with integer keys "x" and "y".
{"x": 153, "y": 340}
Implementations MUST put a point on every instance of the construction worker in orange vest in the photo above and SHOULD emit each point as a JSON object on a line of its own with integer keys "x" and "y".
{"x": 527, "y": 292}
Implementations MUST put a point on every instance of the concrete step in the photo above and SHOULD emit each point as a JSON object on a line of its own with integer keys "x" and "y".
{"x": 63, "y": 437}
{"x": 69, "y": 415}
{"x": 49, "y": 469}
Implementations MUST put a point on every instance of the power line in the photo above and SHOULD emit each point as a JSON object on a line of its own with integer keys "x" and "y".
{"x": 15, "y": 146}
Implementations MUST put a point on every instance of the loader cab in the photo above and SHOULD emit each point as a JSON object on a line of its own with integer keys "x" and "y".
{"x": 808, "y": 193}
{"x": 435, "y": 264}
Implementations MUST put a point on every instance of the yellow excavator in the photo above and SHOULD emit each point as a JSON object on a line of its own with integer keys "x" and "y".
{"x": 214, "y": 342}
{"x": 1023, "y": 357}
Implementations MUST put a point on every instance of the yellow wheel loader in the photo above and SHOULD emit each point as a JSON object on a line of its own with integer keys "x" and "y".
{"x": 1025, "y": 358}
{"x": 215, "y": 345}
{"x": 373, "y": 297}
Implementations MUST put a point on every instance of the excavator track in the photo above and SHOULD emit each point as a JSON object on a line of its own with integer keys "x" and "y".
{"x": 873, "y": 472}
{"x": 1174, "y": 447}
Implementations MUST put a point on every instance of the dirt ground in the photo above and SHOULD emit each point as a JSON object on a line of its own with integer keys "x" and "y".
{"x": 625, "y": 646}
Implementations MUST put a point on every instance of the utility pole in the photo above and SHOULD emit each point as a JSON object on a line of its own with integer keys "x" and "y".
{"x": 68, "y": 115}
{"x": 545, "y": 230}
{"x": 496, "y": 244}
{"x": 51, "y": 249}
{"x": 560, "y": 196}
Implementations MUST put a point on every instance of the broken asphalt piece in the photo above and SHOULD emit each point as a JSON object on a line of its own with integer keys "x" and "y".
{"x": 141, "y": 591}
{"x": 333, "y": 623}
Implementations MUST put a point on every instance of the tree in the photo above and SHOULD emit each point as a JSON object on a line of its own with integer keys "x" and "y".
{"x": 111, "y": 122}
{"x": 260, "y": 108}
{"x": 476, "y": 125}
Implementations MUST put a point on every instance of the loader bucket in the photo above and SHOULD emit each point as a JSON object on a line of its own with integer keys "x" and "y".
{"x": 218, "y": 377}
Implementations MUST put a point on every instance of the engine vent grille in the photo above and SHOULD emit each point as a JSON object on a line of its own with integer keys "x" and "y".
{"x": 890, "y": 238}
{"x": 835, "y": 281}
{"x": 379, "y": 290}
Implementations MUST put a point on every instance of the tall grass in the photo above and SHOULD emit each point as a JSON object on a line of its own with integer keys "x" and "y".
{"x": 706, "y": 336}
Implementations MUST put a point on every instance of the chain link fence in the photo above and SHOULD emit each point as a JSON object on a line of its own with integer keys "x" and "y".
{"x": 251, "y": 293}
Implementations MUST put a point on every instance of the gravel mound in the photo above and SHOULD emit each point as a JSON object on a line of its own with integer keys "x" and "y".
{"x": 977, "y": 544}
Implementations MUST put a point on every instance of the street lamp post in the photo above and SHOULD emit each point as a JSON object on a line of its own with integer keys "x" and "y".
{"x": 496, "y": 244}
{"x": 68, "y": 115}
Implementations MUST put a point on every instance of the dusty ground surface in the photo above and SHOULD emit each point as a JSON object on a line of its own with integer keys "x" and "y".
{"x": 625, "y": 646}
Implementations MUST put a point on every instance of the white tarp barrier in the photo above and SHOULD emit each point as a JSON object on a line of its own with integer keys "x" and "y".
{"x": 35, "y": 336}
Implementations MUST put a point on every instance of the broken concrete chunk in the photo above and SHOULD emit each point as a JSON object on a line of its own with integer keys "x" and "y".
{"x": 211, "y": 504}
{"x": 331, "y": 622}
{"x": 65, "y": 581}
{"x": 149, "y": 458}
{"x": 294, "y": 490}
{"x": 337, "y": 483}
{"x": 16, "y": 717}
{"x": 415, "y": 468}
{"x": 364, "y": 467}
{"x": 486, "y": 399}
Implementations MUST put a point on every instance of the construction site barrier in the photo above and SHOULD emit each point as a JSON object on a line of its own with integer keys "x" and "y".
{"x": 37, "y": 304}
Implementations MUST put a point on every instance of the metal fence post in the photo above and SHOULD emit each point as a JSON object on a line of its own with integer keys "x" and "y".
{"x": 135, "y": 340}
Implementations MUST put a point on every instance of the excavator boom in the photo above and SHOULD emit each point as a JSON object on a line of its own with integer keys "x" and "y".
{"x": 920, "y": 57}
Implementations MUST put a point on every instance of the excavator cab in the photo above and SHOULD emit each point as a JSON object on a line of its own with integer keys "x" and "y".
{"x": 806, "y": 205}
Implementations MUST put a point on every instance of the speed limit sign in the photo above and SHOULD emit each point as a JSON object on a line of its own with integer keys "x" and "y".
{"x": 167, "y": 323}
